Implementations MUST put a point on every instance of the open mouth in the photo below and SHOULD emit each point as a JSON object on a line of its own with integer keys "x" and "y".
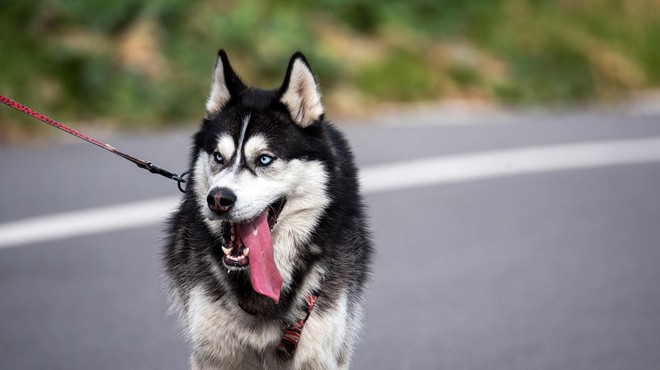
{"x": 238, "y": 236}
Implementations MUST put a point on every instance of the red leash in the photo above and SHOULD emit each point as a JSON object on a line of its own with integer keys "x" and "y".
{"x": 180, "y": 179}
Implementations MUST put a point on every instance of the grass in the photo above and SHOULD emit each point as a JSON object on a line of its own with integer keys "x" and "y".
{"x": 148, "y": 64}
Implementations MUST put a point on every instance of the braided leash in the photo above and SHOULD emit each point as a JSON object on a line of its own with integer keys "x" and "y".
{"x": 180, "y": 179}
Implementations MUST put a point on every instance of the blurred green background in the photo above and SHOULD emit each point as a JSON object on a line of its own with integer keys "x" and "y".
{"x": 133, "y": 63}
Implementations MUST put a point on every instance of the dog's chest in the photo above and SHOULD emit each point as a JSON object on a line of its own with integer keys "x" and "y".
{"x": 228, "y": 334}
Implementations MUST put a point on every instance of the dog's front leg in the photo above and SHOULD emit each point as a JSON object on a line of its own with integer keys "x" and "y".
{"x": 326, "y": 341}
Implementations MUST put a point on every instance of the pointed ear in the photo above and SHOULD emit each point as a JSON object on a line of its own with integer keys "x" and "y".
{"x": 300, "y": 92}
{"x": 225, "y": 84}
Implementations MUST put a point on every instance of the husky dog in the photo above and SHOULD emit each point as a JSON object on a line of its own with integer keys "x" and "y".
{"x": 268, "y": 254}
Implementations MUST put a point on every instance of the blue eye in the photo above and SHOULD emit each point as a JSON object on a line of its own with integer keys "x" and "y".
{"x": 217, "y": 157}
{"x": 265, "y": 160}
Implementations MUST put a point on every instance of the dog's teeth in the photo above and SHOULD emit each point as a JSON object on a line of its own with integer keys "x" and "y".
{"x": 226, "y": 250}
{"x": 246, "y": 251}
{"x": 233, "y": 238}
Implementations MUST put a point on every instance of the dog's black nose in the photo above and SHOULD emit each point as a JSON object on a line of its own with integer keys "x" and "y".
{"x": 220, "y": 200}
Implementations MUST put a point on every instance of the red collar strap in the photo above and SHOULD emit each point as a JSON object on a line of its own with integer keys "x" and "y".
{"x": 291, "y": 337}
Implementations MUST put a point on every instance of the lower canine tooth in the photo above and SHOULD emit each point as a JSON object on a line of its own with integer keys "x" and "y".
{"x": 226, "y": 250}
{"x": 246, "y": 251}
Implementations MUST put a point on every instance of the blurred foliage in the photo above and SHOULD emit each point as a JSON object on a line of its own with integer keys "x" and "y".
{"x": 148, "y": 63}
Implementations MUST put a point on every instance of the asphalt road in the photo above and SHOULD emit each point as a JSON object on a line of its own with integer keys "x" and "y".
{"x": 556, "y": 269}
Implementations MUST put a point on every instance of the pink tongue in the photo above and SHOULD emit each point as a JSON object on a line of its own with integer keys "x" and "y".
{"x": 265, "y": 277}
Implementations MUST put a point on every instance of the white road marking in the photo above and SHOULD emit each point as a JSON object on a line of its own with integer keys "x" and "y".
{"x": 380, "y": 178}
{"x": 86, "y": 222}
{"x": 508, "y": 162}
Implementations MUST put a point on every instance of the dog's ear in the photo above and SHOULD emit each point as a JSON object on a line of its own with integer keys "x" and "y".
{"x": 225, "y": 84}
{"x": 300, "y": 92}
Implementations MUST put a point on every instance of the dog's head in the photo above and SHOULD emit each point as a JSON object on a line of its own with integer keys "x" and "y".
{"x": 260, "y": 171}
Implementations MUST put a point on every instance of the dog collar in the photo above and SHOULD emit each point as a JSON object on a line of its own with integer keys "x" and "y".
{"x": 291, "y": 337}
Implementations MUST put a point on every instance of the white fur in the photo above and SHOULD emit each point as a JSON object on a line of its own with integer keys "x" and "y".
{"x": 305, "y": 206}
{"x": 302, "y": 96}
{"x": 219, "y": 94}
{"x": 222, "y": 334}
{"x": 256, "y": 146}
{"x": 226, "y": 146}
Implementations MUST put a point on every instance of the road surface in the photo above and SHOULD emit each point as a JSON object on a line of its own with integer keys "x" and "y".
{"x": 525, "y": 241}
